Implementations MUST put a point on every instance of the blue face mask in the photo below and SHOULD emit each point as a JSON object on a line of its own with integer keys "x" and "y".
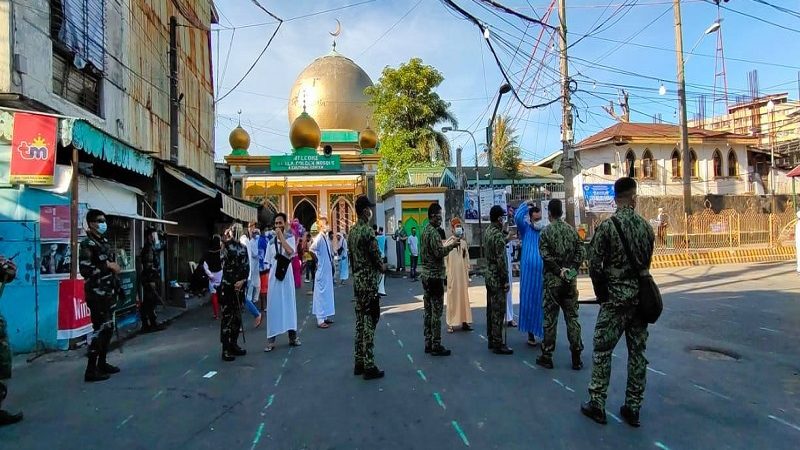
{"x": 102, "y": 227}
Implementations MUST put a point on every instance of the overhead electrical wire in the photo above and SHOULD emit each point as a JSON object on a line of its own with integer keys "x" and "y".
{"x": 760, "y": 19}
{"x": 779, "y": 8}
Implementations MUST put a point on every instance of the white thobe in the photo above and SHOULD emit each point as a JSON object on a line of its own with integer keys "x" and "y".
{"x": 281, "y": 306}
{"x": 322, "y": 301}
{"x": 509, "y": 294}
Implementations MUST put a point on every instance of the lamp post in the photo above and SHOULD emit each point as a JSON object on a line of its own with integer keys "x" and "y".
{"x": 477, "y": 185}
{"x": 505, "y": 88}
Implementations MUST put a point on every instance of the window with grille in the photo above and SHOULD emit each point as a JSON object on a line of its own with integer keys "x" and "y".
{"x": 77, "y": 29}
{"x": 693, "y": 164}
{"x": 676, "y": 164}
{"x": 717, "y": 161}
{"x": 733, "y": 164}
{"x": 648, "y": 166}
{"x": 120, "y": 235}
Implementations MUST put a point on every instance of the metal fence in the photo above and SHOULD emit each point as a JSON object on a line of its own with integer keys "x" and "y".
{"x": 725, "y": 229}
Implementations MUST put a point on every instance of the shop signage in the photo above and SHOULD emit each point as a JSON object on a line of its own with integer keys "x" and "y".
{"x": 299, "y": 163}
{"x": 33, "y": 149}
{"x": 73, "y": 313}
{"x": 127, "y": 281}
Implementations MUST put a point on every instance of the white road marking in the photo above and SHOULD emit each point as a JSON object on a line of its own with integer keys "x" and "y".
{"x": 712, "y": 392}
{"x": 482, "y": 337}
{"x": 122, "y": 424}
{"x": 478, "y": 365}
{"x": 656, "y": 371}
{"x": 158, "y": 394}
{"x": 768, "y": 329}
{"x": 614, "y": 417}
{"x": 186, "y": 373}
{"x": 781, "y": 421}
{"x": 210, "y": 374}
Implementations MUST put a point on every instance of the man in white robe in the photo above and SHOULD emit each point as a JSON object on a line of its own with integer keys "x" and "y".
{"x": 322, "y": 249}
{"x": 281, "y": 303}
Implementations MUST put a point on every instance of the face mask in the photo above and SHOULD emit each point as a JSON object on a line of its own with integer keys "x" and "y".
{"x": 538, "y": 225}
{"x": 459, "y": 231}
{"x": 369, "y": 215}
{"x": 102, "y": 227}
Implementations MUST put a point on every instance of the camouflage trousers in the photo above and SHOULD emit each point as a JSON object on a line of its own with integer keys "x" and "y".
{"x": 5, "y": 351}
{"x": 366, "y": 321}
{"x": 612, "y": 321}
{"x": 102, "y": 325}
{"x": 495, "y": 315}
{"x": 565, "y": 298}
{"x": 231, "y": 321}
{"x": 433, "y": 300}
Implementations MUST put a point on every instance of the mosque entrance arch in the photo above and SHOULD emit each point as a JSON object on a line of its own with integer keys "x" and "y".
{"x": 343, "y": 214}
{"x": 305, "y": 210}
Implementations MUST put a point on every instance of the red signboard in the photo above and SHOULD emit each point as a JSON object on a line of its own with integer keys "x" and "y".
{"x": 73, "y": 313}
{"x": 33, "y": 149}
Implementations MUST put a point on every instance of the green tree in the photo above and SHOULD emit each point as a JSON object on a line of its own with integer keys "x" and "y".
{"x": 407, "y": 113}
{"x": 506, "y": 152}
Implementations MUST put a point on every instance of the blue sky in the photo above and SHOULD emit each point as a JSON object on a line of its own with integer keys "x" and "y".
{"x": 633, "y": 45}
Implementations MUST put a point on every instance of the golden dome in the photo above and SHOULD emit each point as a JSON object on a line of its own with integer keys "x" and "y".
{"x": 305, "y": 132}
{"x": 239, "y": 139}
{"x": 368, "y": 139}
{"x": 332, "y": 89}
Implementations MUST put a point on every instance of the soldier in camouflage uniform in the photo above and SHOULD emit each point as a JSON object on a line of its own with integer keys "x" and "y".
{"x": 432, "y": 252}
{"x": 609, "y": 266}
{"x": 496, "y": 276}
{"x": 8, "y": 271}
{"x": 562, "y": 255}
{"x": 151, "y": 281}
{"x": 367, "y": 267}
{"x": 99, "y": 270}
{"x": 235, "y": 271}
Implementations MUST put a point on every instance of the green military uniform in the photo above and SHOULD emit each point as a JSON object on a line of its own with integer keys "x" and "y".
{"x": 607, "y": 260}
{"x": 496, "y": 276}
{"x": 432, "y": 273}
{"x": 560, "y": 248}
{"x": 366, "y": 263}
{"x": 235, "y": 268}
{"x": 101, "y": 291}
{"x": 5, "y": 347}
{"x": 151, "y": 284}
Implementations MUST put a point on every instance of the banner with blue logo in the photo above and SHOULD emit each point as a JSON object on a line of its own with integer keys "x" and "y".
{"x": 599, "y": 198}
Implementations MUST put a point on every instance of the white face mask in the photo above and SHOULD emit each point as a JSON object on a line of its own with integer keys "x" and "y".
{"x": 538, "y": 225}
{"x": 459, "y": 231}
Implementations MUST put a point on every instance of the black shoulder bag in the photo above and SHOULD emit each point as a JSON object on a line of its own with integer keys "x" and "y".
{"x": 650, "y": 301}
{"x": 282, "y": 262}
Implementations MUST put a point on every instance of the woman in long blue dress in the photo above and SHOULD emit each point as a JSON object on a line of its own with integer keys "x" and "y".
{"x": 531, "y": 292}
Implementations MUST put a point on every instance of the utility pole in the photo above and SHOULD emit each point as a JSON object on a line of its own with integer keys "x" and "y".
{"x": 173, "y": 90}
{"x": 73, "y": 217}
{"x": 567, "y": 134}
{"x": 687, "y": 162}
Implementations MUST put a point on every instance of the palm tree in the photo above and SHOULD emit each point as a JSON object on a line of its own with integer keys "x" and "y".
{"x": 505, "y": 147}
{"x": 431, "y": 143}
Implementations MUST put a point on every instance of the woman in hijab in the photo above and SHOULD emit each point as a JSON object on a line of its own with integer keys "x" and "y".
{"x": 344, "y": 260}
{"x": 459, "y": 312}
{"x": 296, "y": 263}
{"x": 212, "y": 265}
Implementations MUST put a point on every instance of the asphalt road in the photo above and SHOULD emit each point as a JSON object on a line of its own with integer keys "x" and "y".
{"x": 175, "y": 393}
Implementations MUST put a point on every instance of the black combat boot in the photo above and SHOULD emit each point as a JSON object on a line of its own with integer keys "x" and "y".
{"x": 358, "y": 369}
{"x": 630, "y": 416}
{"x": 92, "y": 373}
{"x": 237, "y": 351}
{"x": 105, "y": 367}
{"x": 7, "y": 418}
{"x": 373, "y": 373}
{"x": 428, "y": 347}
{"x": 502, "y": 349}
{"x": 227, "y": 354}
{"x": 545, "y": 361}
{"x": 592, "y": 411}
{"x": 577, "y": 364}
{"x": 440, "y": 350}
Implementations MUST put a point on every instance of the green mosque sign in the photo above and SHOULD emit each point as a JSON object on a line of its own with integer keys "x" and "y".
{"x": 304, "y": 162}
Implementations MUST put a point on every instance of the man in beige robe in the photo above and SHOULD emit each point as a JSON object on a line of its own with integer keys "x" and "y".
{"x": 459, "y": 312}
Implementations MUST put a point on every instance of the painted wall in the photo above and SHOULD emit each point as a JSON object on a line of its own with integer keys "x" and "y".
{"x": 664, "y": 182}
{"x": 19, "y": 301}
{"x": 392, "y": 207}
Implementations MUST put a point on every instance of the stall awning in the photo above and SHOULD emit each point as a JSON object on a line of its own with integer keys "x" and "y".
{"x": 97, "y": 143}
{"x": 114, "y": 199}
{"x": 191, "y": 182}
{"x": 238, "y": 210}
{"x": 145, "y": 219}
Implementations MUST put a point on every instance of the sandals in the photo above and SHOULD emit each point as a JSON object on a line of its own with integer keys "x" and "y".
{"x": 269, "y": 348}
{"x": 450, "y": 329}
{"x": 295, "y": 343}
{"x": 323, "y": 325}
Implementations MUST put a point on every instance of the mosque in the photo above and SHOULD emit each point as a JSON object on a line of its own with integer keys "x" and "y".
{"x": 334, "y": 151}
